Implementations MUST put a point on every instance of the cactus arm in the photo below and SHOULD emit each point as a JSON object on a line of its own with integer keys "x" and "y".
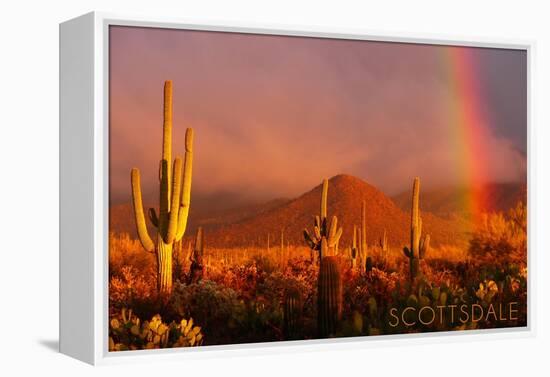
{"x": 186, "y": 184}
{"x": 407, "y": 252}
{"x": 317, "y": 232}
{"x": 174, "y": 209}
{"x": 417, "y": 234}
{"x": 333, "y": 227}
{"x": 317, "y": 222}
{"x": 164, "y": 206}
{"x": 333, "y": 241}
{"x": 143, "y": 234}
{"x": 187, "y": 168}
{"x": 153, "y": 217}
{"x": 425, "y": 246}
{"x": 167, "y": 131}
{"x": 183, "y": 213}
{"x": 311, "y": 244}
{"x": 324, "y": 200}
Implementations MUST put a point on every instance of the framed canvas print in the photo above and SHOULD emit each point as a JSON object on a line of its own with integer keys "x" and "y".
{"x": 225, "y": 187}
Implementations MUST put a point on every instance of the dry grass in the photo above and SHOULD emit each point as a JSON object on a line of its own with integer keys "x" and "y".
{"x": 125, "y": 251}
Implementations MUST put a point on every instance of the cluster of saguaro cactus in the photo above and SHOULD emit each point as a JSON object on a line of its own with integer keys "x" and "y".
{"x": 329, "y": 296}
{"x": 196, "y": 270}
{"x": 292, "y": 312}
{"x": 322, "y": 231}
{"x": 175, "y": 194}
{"x": 419, "y": 245}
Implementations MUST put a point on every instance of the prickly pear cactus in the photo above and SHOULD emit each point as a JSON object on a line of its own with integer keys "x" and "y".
{"x": 329, "y": 297}
{"x": 127, "y": 332}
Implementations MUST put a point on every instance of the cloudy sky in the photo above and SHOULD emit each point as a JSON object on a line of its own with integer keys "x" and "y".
{"x": 274, "y": 115}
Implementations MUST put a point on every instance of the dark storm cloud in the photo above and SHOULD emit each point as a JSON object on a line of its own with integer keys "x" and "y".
{"x": 273, "y": 115}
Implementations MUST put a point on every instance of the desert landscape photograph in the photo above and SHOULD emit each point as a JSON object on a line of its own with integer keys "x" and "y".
{"x": 268, "y": 188}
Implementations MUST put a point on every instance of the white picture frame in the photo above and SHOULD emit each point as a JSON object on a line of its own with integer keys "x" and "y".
{"x": 84, "y": 190}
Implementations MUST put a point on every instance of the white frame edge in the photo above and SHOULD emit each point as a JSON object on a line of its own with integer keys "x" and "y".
{"x": 84, "y": 193}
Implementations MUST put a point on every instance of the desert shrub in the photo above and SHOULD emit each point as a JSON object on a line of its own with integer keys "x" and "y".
{"x": 447, "y": 254}
{"x": 264, "y": 263}
{"x": 218, "y": 308}
{"x": 132, "y": 289}
{"x": 501, "y": 238}
{"x": 241, "y": 278}
{"x": 129, "y": 286}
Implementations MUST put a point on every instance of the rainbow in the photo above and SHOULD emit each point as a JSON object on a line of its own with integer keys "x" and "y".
{"x": 468, "y": 124}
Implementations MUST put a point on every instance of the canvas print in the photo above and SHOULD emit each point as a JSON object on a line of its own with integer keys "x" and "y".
{"x": 269, "y": 188}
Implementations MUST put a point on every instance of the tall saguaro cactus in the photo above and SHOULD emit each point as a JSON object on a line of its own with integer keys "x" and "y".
{"x": 292, "y": 312}
{"x": 365, "y": 262}
{"x": 196, "y": 270}
{"x": 174, "y": 201}
{"x": 329, "y": 296}
{"x": 384, "y": 241}
{"x": 354, "y": 250}
{"x": 418, "y": 245}
{"x": 322, "y": 230}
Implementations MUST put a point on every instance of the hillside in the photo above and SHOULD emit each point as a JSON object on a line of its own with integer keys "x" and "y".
{"x": 201, "y": 214}
{"x": 344, "y": 200}
{"x": 250, "y": 225}
{"x": 449, "y": 202}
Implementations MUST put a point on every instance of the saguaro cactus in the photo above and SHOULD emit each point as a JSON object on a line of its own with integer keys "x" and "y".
{"x": 364, "y": 260}
{"x": 384, "y": 241}
{"x": 175, "y": 197}
{"x": 197, "y": 268}
{"x": 292, "y": 312}
{"x": 418, "y": 245}
{"x": 354, "y": 250}
{"x": 282, "y": 252}
{"x": 322, "y": 230}
{"x": 329, "y": 296}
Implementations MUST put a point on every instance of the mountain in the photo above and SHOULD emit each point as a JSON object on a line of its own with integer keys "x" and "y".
{"x": 250, "y": 225}
{"x": 202, "y": 213}
{"x": 345, "y": 195}
{"x": 449, "y": 202}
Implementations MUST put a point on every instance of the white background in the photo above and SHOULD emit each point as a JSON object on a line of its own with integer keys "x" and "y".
{"x": 29, "y": 189}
